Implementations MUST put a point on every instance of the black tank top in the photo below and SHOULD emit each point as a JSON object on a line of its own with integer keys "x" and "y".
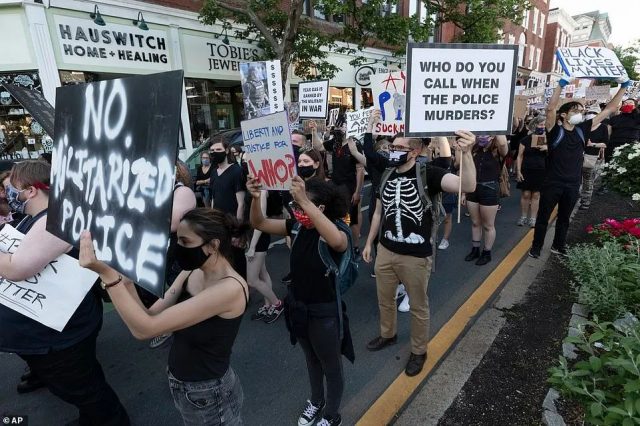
{"x": 203, "y": 351}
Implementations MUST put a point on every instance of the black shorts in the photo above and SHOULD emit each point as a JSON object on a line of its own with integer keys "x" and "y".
{"x": 263, "y": 243}
{"x": 486, "y": 194}
{"x": 353, "y": 214}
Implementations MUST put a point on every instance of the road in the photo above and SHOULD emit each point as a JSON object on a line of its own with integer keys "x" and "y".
{"x": 272, "y": 372}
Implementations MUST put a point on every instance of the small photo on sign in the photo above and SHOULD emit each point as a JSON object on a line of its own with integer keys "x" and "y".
{"x": 539, "y": 140}
{"x": 261, "y": 88}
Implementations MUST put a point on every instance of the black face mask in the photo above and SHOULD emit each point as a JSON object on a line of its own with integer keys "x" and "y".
{"x": 190, "y": 258}
{"x": 305, "y": 172}
{"x": 398, "y": 158}
{"x": 218, "y": 157}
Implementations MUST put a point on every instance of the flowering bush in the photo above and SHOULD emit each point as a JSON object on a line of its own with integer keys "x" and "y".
{"x": 622, "y": 174}
{"x": 625, "y": 232}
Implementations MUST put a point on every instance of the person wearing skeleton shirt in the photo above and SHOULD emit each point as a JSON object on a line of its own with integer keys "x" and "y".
{"x": 404, "y": 251}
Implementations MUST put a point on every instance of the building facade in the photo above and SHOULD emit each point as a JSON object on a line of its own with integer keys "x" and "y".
{"x": 559, "y": 33}
{"x": 592, "y": 29}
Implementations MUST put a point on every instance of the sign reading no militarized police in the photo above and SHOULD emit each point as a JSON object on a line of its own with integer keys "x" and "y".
{"x": 313, "y": 97}
{"x": 590, "y": 62}
{"x": 267, "y": 142}
{"x": 460, "y": 87}
{"x": 113, "y": 170}
{"x": 47, "y": 297}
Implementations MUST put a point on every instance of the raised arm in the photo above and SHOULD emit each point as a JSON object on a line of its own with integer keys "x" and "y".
{"x": 613, "y": 105}
{"x": 503, "y": 145}
{"x": 256, "y": 216}
{"x": 552, "y": 107}
{"x": 450, "y": 182}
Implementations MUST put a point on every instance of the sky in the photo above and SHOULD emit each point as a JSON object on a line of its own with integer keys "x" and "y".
{"x": 623, "y": 15}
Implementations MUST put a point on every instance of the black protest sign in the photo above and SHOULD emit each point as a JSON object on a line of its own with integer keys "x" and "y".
{"x": 113, "y": 170}
{"x": 35, "y": 104}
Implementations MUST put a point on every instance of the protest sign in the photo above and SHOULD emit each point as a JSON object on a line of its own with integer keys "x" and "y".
{"x": 333, "y": 116}
{"x": 321, "y": 126}
{"x": 389, "y": 96}
{"x": 357, "y": 122}
{"x": 519, "y": 89}
{"x": 261, "y": 88}
{"x": 313, "y": 97}
{"x": 113, "y": 169}
{"x": 590, "y": 62}
{"x": 633, "y": 91}
{"x": 36, "y": 104}
{"x": 460, "y": 87}
{"x": 51, "y": 296}
{"x": 538, "y": 140}
{"x": 533, "y": 91}
{"x": 598, "y": 93}
{"x": 267, "y": 142}
{"x": 520, "y": 106}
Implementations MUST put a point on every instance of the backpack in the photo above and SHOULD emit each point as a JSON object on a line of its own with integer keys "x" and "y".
{"x": 560, "y": 136}
{"x": 435, "y": 205}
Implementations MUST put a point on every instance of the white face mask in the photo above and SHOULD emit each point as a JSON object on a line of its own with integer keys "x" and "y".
{"x": 576, "y": 119}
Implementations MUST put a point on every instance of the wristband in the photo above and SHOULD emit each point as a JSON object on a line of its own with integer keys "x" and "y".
{"x": 111, "y": 284}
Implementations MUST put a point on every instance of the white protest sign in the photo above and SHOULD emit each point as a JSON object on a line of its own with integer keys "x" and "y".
{"x": 633, "y": 91}
{"x": 313, "y": 97}
{"x": 533, "y": 91}
{"x": 357, "y": 122}
{"x": 460, "y": 87}
{"x": 50, "y": 297}
{"x": 389, "y": 96}
{"x": 519, "y": 90}
{"x": 590, "y": 62}
{"x": 261, "y": 88}
{"x": 333, "y": 116}
{"x": 598, "y": 93}
{"x": 267, "y": 142}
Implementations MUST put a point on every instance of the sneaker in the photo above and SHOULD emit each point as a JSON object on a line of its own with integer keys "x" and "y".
{"x": 444, "y": 244}
{"x": 309, "y": 414}
{"x": 286, "y": 279}
{"x": 400, "y": 291}
{"x": 522, "y": 221}
{"x": 532, "y": 222}
{"x": 415, "y": 364}
{"x": 159, "y": 341}
{"x": 381, "y": 343}
{"x": 274, "y": 313}
{"x": 404, "y": 306}
{"x": 261, "y": 314}
{"x": 373, "y": 275}
{"x": 326, "y": 421}
{"x": 583, "y": 207}
{"x": 560, "y": 251}
{"x": 534, "y": 252}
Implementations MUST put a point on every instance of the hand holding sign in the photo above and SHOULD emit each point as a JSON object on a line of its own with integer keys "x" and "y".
{"x": 374, "y": 119}
{"x": 465, "y": 140}
{"x": 298, "y": 191}
{"x": 254, "y": 187}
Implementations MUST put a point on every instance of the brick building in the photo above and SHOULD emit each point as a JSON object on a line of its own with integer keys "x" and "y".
{"x": 592, "y": 29}
{"x": 559, "y": 33}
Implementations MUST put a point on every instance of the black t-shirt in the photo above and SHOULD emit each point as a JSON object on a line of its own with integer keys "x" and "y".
{"x": 201, "y": 175}
{"x": 344, "y": 165}
{"x": 406, "y": 227}
{"x": 625, "y": 128}
{"x": 566, "y": 159}
{"x": 309, "y": 282}
{"x": 599, "y": 135}
{"x": 225, "y": 186}
{"x": 487, "y": 166}
{"x": 532, "y": 159}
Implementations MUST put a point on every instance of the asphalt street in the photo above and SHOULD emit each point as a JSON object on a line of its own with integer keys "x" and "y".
{"x": 272, "y": 372}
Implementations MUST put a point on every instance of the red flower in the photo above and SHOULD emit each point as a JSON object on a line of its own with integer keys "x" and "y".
{"x": 590, "y": 229}
{"x": 635, "y": 232}
{"x": 613, "y": 223}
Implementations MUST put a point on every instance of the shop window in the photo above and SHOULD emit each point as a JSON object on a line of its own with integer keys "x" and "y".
{"x": 366, "y": 98}
{"x": 340, "y": 97}
{"x": 20, "y": 135}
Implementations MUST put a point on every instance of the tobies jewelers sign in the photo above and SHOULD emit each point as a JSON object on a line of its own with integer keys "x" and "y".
{"x": 83, "y": 43}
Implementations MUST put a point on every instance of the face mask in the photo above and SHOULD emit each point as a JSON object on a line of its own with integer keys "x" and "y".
{"x": 539, "y": 131}
{"x": 398, "y": 158}
{"x": 303, "y": 218}
{"x": 576, "y": 119}
{"x": 483, "y": 141}
{"x": 590, "y": 116}
{"x": 627, "y": 109}
{"x": 384, "y": 153}
{"x": 305, "y": 172}
{"x": 206, "y": 162}
{"x": 12, "y": 199}
{"x": 218, "y": 157}
{"x": 190, "y": 258}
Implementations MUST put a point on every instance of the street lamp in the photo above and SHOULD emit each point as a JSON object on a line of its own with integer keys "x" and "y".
{"x": 97, "y": 18}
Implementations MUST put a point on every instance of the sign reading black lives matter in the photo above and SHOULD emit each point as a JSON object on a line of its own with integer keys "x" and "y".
{"x": 313, "y": 97}
{"x": 113, "y": 170}
{"x": 460, "y": 87}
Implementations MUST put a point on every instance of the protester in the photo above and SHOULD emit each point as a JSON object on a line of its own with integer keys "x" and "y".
{"x": 64, "y": 361}
{"x": 596, "y": 144}
{"x": 5, "y": 210}
{"x": 440, "y": 155}
{"x": 531, "y": 168}
{"x": 203, "y": 176}
{"x": 404, "y": 251}
{"x": 625, "y": 127}
{"x": 482, "y": 204}
{"x": 310, "y": 165}
{"x": 567, "y": 135}
{"x": 311, "y": 305}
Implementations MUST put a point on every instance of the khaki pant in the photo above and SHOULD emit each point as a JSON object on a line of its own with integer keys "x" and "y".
{"x": 391, "y": 269}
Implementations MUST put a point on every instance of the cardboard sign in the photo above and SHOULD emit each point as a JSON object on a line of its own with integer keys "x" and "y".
{"x": 51, "y": 296}
{"x": 261, "y": 88}
{"x": 598, "y": 93}
{"x": 633, "y": 91}
{"x": 313, "y": 97}
{"x": 590, "y": 62}
{"x": 321, "y": 126}
{"x": 357, "y": 122}
{"x": 36, "y": 104}
{"x": 538, "y": 140}
{"x": 333, "y": 116}
{"x": 389, "y": 96}
{"x": 520, "y": 106}
{"x": 267, "y": 142}
{"x": 460, "y": 87}
{"x": 113, "y": 170}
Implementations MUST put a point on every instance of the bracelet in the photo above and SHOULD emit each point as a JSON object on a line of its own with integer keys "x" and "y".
{"x": 109, "y": 285}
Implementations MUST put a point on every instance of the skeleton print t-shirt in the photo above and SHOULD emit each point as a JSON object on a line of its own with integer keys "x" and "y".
{"x": 406, "y": 227}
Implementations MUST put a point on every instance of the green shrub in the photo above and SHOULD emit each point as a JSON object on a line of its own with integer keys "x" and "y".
{"x": 622, "y": 174}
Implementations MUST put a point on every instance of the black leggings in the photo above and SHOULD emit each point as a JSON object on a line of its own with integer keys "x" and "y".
{"x": 565, "y": 197}
{"x": 324, "y": 359}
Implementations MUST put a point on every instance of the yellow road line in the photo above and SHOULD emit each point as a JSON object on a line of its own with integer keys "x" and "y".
{"x": 398, "y": 393}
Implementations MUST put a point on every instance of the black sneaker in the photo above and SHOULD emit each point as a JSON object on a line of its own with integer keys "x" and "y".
{"x": 274, "y": 313}
{"x": 583, "y": 207}
{"x": 286, "y": 279}
{"x": 381, "y": 343}
{"x": 310, "y": 413}
{"x": 330, "y": 421}
{"x": 534, "y": 252}
{"x": 261, "y": 314}
{"x": 415, "y": 364}
{"x": 560, "y": 251}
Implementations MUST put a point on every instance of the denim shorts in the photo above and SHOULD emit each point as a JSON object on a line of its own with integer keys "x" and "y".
{"x": 209, "y": 402}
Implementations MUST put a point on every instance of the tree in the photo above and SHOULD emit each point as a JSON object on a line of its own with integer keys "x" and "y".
{"x": 629, "y": 59}
{"x": 284, "y": 33}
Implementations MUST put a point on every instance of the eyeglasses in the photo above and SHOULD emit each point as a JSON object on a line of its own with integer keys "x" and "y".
{"x": 399, "y": 148}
